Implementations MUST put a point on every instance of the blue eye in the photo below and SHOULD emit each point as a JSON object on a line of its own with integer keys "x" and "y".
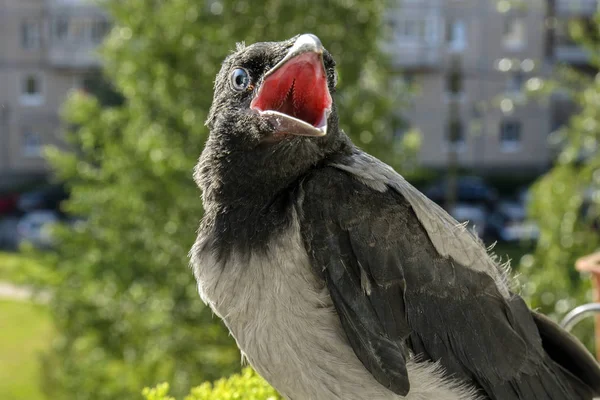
{"x": 240, "y": 79}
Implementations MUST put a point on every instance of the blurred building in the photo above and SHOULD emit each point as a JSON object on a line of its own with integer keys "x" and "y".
{"x": 469, "y": 60}
{"x": 46, "y": 50}
{"x": 562, "y": 49}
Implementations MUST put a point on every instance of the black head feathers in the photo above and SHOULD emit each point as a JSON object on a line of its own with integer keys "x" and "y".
{"x": 273, "y": 116}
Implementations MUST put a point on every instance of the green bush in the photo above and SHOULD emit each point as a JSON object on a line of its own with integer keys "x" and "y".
{"x": 245, "y": 386}
{"x": 125, "y": 304}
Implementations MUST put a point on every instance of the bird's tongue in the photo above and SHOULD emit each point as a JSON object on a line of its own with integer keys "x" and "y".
{"x": 298, "y": 88}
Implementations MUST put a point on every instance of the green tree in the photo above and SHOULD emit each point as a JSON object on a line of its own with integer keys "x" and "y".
{"x": 565, "y": 200}
{"x": 125, "y": 305}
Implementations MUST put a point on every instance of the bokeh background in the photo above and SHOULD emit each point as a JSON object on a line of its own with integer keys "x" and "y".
{"x": 491, "y": 107}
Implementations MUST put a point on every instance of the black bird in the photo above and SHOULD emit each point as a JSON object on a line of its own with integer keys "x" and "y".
{"x": 336, "y": 277}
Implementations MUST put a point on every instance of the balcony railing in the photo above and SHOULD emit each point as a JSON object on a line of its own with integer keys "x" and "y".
{"x": 576, "y": 7}
{"x": 414, "y": 57}
{"x": 572, "y": 54}
{"x": 415, "y": 41}
{"x": 73, "y": 57}
{"x": 77, "y": 27}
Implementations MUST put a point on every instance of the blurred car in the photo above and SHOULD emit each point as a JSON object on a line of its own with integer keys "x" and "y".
{"x": 508, "y": 223}
{"x": 45, "y": 198}
{"x": 8, "y": 233}
{"x": 474, "y": 215}
{"x": 35, "y": 228}
{"x": 469, "y": 189}
{"x": 11, "y": 189}
{"x": 8, "y": 204}
{"x": 524, "y": 196}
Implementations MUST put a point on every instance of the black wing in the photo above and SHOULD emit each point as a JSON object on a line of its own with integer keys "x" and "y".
{"x": 404, "y": 282}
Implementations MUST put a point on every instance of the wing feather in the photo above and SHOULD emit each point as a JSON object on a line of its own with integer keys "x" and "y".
{"x": 408, "y": 281}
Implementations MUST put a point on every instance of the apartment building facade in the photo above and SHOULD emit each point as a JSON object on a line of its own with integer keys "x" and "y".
{"x": 481, "y": 119}
{"x": 499, "y": 47}
{"x": 46, "y": 50}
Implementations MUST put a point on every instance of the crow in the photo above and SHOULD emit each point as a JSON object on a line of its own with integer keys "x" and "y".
{"x": 337, "y": 278}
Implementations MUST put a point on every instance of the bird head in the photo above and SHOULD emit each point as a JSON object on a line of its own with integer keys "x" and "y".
{"x": 272, "y": 117}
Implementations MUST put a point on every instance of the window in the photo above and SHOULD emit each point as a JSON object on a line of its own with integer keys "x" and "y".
{"x": 408, "y": 78}
{"x": 510, "y": 135}
{"x": 61, "y": 29}
{"x": 455, "y": 135}
{"x": 31, "y": 86}
{"x": 514, "y": 83}
{"x": 454, "y": 79}
{"x": 513, "y": 36}
{"x": 31, "y": 143}
{"x": 410, "y": 30}
{"x": 84, "y": 83}
{"x": 31, "y": 90}
{"x": 30, "y": 34}
{"x": 79, "y": 29}
{"x": 100, "y": 28}
{"x": 456, "y": 35}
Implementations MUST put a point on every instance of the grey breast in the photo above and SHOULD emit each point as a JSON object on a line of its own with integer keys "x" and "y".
{"x": 283, "y": 321}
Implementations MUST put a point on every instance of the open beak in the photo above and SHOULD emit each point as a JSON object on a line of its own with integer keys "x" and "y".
{"x": 294, "y": 96}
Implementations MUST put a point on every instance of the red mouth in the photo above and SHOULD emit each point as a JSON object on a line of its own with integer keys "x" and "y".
{"x": 297, "y": 89}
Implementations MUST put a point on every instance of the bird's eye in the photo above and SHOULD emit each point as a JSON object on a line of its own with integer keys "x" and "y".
{"x": 240, "y": 79}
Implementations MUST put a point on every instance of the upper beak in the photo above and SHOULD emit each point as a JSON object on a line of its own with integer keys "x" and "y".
{"x": 304, "y": 44}
{"x": 303, "y": 47}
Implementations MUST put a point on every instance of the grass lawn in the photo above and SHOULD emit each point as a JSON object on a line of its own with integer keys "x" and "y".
{"x": 25, "y": 330}
{"x": 12, "y": 266}
{"x": 21, "y": 269}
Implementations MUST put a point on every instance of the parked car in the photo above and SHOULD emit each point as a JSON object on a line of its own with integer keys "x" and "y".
{"x": 524, "y": 196}
{"x": 8, "y": 233}
{"x": 474, "y": 215}
{"x": 45, "y": 198}
{"x": 35, "y": 228}
{"x": 469, "y": 189}
{"x": 8, "y": 204}
{"x": 11, "y": 189}
{"x": 509, "y": 223}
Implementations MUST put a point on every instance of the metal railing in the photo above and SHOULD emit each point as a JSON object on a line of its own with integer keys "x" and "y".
{"x": 578, "y": 314}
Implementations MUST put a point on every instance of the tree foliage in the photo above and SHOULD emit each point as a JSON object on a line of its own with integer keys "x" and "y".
{"x": 245, "y": 386}
{"x": 565, "y": 200}
{"x": 125, "y": 305}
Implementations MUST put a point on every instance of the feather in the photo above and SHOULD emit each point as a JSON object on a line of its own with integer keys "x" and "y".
{"x": 405, "y": 281}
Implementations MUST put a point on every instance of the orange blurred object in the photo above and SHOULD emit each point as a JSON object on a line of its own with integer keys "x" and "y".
{"x": 591, "y": 264}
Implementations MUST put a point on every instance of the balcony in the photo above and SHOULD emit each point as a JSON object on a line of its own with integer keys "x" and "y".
{"x": 571, "y": 54}
{"x": 576, "y": 7}
{"x": 414, "y": 57}
{"x": 565, "y": 48}
{"x": 77, "y": 28}
{"x": 75, "y": 56}
{"x": 415, "y": 39}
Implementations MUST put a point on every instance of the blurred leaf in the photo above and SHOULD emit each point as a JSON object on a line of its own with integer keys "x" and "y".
{"x": 245, "y": 386}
